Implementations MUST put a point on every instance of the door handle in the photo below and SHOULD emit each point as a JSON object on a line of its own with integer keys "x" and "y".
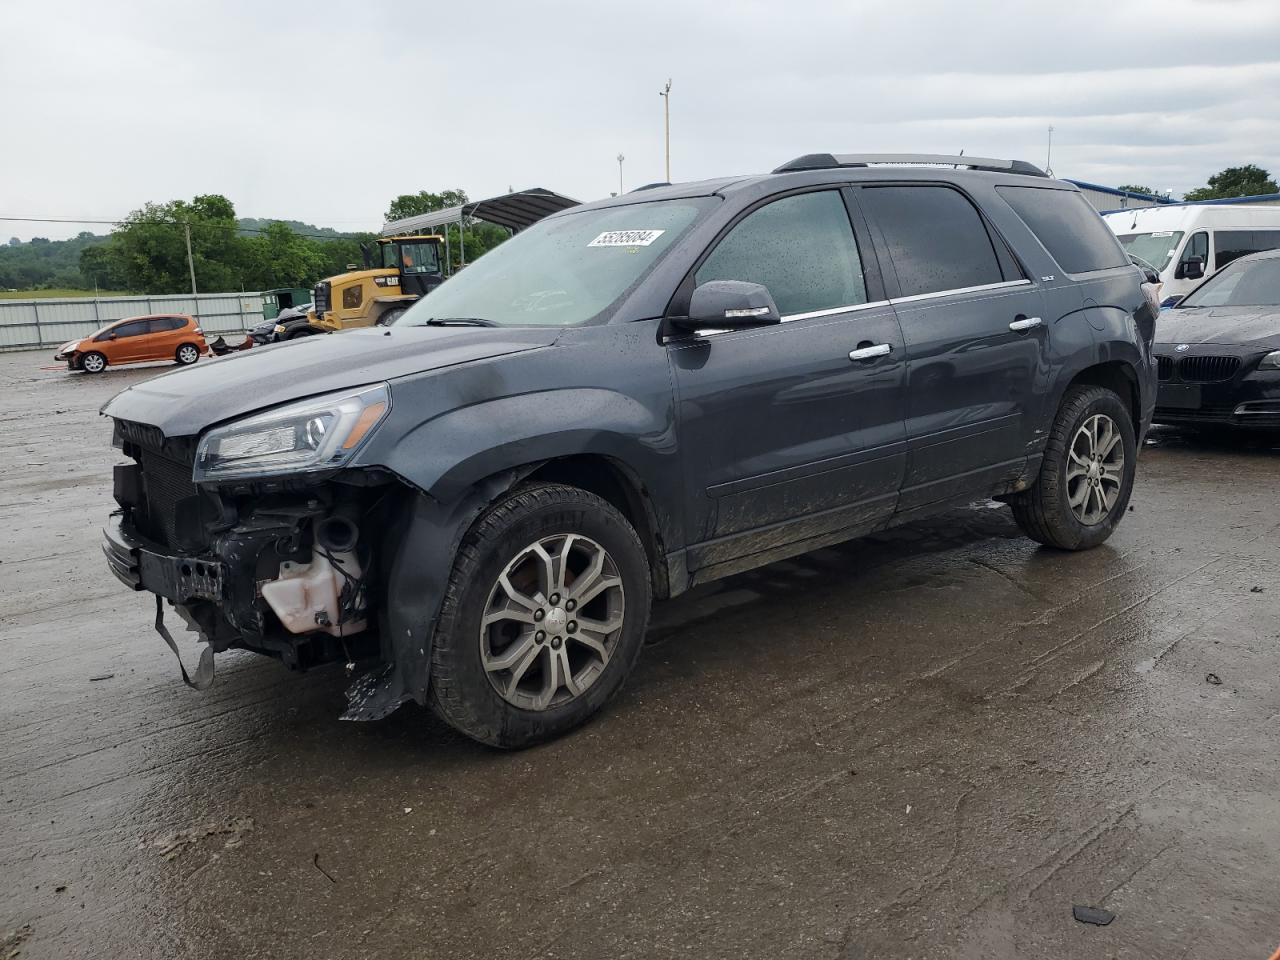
{"x": 870, "y": 353}
{"x": 1023, "y": 324}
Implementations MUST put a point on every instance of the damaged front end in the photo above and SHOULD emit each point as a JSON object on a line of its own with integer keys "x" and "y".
{"x": 263, "y": 554}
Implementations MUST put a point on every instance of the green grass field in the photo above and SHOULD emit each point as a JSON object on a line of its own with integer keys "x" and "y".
{"x": 50, "y": 294}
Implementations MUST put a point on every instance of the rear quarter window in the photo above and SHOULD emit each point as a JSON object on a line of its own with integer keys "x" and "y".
{"x": 1070, "y": 229}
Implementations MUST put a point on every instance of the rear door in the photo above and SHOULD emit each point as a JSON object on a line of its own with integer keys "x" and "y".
{"x": 974, "y": 337}
{"x": 787, "y": 438}
{"x": 163, "y": 341}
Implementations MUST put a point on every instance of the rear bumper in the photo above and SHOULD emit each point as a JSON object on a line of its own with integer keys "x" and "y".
{"x": 142, "y": 565}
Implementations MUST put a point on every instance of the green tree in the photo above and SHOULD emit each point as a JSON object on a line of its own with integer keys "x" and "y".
{"x": 98, "y": 268}
{"x": 415, "y": 204}
{"x": 150, "y": 251}
{"x": 279, "y": 257}
{"x": 341, "y": 253}
{"x": 1134, "y": 188}
{"x": 1246, "y": 181}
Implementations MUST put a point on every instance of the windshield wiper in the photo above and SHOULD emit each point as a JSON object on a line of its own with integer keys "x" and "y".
{"x": 459, "y": 322}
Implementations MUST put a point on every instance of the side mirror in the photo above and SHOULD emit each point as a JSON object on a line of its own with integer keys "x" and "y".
{"x": 1192, "y": 268}
{"x": 727, "y": 304}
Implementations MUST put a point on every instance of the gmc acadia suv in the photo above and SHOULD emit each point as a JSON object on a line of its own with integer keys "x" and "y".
{"x": 630, "y": 398}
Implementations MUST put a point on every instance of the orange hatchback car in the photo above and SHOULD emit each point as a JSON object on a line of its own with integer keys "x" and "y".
{"x": 134, "y": 340}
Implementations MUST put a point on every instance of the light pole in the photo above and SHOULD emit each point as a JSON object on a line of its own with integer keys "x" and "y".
{"x": 665, "y": 94}
{"x": 620, "y": 159}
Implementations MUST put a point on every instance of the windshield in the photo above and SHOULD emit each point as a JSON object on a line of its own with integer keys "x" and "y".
{"x": 564, "y": 271}
{"x": 1245, "y": 283}
{"x": 1156, "y": 248}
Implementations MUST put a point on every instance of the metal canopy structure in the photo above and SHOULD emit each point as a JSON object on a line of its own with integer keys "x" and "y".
{"x": 515, "y": 211}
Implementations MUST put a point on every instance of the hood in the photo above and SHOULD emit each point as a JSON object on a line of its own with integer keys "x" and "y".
{"x": 1257, "y": 327}
{"x": 363, "y": 273}
{"x": 186, "y": 401}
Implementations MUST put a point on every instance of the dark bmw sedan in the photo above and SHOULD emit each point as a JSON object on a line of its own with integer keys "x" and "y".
{"x": 1218, "y": 351}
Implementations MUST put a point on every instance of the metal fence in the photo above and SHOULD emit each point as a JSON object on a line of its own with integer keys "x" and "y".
{"x": 28, "y": 324}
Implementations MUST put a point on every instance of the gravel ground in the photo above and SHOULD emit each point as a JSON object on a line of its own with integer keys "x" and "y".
{"x": 932, "y": 743}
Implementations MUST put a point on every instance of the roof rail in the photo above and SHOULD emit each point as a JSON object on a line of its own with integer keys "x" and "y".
{"x": 825, "y": 161}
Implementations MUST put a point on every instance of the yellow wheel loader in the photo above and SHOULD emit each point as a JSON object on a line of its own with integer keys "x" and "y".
{"x": 398, "y": 271}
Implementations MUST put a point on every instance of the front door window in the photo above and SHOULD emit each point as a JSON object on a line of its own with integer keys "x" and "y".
{"x": 801, "y": 248}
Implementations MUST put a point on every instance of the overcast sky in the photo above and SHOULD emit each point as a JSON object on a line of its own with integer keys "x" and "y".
{"x": 324, "y": 112}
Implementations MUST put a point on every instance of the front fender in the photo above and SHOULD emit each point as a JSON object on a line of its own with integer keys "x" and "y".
{"x": 452, "y": 452}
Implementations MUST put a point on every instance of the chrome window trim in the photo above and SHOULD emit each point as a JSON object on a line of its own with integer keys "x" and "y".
{"x": 832, "y": 311}
{"x": 1003, "y": 284}
{"x": 850, "y": 308}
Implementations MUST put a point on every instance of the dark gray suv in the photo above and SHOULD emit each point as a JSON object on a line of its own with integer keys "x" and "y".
{"x": 478, "y": 504}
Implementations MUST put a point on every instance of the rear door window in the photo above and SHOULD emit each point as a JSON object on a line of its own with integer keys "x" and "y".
{"x": 935, "y": 237}
{"x": 1070, "y": 229}
{"x": 801, "y": 247}
{"x": 1231, "y": 245}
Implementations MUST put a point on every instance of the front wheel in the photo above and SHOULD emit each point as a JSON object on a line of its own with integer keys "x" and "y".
{"x": 93, "y": 362}
{"x": 544, "y": 616}
{"x": 1086, "y": 475}
{"x": 389, "y": 317}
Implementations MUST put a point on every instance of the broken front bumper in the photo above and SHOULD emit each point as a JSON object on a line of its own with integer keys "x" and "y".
{"x": 142, "y": 565}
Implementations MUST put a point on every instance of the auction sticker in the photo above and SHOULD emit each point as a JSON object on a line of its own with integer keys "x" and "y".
{"x": 626, "y": 238}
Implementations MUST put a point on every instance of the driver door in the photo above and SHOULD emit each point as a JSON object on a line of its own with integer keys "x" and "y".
{"x": 790, "y": 442}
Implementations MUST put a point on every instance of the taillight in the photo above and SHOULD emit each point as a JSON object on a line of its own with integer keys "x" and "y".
{"x": 199, "y": 331}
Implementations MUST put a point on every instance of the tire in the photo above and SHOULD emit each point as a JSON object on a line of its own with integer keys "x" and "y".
{"x": 1051, "y": 511}
{"x": 569, "y": 522}
{"x": 299, "y": 333}
{"x": 187, "y": 354}
{"x": 389, "y": 317}
{"x": 93, "y": 362}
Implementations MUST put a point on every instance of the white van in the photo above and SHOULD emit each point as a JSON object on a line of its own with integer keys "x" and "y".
{"x": 1186, "y": 242}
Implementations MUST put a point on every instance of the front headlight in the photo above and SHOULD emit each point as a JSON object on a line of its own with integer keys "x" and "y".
{"x": 278, "y": 328}
{"x": 321, "y": 433}
{"x": 1271, "y": 361}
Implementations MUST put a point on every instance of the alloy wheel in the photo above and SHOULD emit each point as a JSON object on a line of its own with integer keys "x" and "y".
{"x": 188, "y": 354}
{"x": 552, "y": 621}
{"x": 1095, "y": 469}
{"x": 93, "y": 363}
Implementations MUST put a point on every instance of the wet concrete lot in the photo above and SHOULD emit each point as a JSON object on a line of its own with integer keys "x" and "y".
{"x": 928, "y": 744}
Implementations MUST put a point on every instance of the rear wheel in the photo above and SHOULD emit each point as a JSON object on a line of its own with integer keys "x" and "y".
{"x": 1086, "y": 475}
{"x": 187, "y": 354}
{"x": 543, "y": 618}
{"x": 93, "y": 362}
